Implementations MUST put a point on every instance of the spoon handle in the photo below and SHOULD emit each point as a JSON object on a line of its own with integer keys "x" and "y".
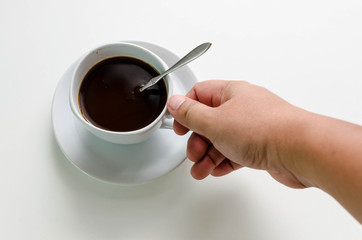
{"x": 195, "y": 53}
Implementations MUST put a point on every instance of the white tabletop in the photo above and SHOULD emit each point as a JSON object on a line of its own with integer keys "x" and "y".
{"x": 308, "y": 52}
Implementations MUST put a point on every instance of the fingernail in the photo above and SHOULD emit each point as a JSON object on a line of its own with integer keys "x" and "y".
{"x": 176, "y": 101}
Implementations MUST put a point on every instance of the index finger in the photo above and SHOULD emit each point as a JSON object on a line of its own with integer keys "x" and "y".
{"x": 208, "y": 92}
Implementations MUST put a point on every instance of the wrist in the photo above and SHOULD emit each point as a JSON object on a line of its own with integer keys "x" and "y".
{"x": 291, "y": 148}
{"x": 326, "y": 153}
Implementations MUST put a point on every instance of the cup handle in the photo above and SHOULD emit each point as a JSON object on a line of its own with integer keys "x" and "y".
{"x": 167, "y": 121}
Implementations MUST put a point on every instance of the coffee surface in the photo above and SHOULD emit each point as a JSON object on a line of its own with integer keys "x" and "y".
{"x": 109, "y": 96}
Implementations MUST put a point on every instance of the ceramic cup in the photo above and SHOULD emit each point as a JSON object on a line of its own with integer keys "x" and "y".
{"x": 119, "y": 49}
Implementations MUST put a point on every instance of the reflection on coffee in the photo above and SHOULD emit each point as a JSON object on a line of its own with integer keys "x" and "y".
{"x": 108, "y": 96}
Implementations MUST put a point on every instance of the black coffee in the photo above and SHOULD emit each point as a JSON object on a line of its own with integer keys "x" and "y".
{"x": 109, "y": 96}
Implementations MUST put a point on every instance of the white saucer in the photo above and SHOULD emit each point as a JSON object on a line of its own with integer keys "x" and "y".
{"x": 115, "y": 163}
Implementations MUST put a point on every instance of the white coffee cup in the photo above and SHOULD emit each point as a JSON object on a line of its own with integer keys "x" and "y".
{"x": 110, "y": 50}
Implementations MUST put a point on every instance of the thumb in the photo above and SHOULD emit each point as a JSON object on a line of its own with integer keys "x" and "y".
{"x": 192, "y": 114}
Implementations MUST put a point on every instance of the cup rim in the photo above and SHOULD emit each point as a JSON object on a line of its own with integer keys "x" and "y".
{"x": 74, "y": 105}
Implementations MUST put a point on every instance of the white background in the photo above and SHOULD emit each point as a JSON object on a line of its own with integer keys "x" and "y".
{"x": 308, "y": 52}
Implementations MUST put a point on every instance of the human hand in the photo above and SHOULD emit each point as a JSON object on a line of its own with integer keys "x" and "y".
{"x": 234, "y": 124}
{"x": 238, "y": 124}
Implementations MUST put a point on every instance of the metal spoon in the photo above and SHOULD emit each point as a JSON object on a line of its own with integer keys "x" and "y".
{"x": 195, "y": 53}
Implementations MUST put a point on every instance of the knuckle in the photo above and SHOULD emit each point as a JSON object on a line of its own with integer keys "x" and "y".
{"x": 209, "y": 124}
{"x": 199, "y": 118}
{"x": 189, "y": 111}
